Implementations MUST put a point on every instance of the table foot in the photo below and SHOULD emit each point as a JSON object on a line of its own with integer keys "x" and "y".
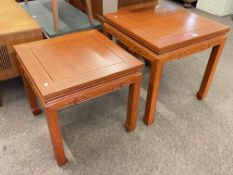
{"x": 200, "y": 96}
{"x": 36, "y": 111}
{"x": 148, "y": 122}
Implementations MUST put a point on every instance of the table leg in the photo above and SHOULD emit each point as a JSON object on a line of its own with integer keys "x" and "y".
{"x": 210, "y": 70}
{"x": 55, "y": 135}
{"x": 31, "y": 97}
{"x": 54, "y": 6}
{"x": 152, "y": 93}
{"x": 89, "y": 10}
{"x": 133, "y": 100}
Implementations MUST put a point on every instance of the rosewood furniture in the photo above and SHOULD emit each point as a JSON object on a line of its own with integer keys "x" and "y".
{"x": 163, "y": 34}
{"x": 69, "y": 70}
{"x": 16, "y": 27}
{"x": 55, "y": 12}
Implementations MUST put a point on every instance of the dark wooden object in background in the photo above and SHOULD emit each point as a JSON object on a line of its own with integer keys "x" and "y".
{"x": 178, "y": 34}
{"x": 188, "y": 3}
{"x": 97, "y": 6}
{"x": 94, "y": 67}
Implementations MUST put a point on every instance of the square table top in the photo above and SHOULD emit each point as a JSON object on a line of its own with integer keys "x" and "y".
{"x": 165, "y": 27}
{"x": 72, "y": 62}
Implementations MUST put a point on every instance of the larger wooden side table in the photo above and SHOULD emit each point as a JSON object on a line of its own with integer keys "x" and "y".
{"x": 72, "y": 69}
{"x": 164, "y": 33}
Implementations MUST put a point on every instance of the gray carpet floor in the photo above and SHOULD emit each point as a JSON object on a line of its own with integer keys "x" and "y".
{"x": 189, "y": 137}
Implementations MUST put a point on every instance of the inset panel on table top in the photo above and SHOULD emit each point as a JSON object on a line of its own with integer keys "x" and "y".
{"x": 165, "y": 28}
{"x": 70, "y": 58}
{"x": 74, "y": 61}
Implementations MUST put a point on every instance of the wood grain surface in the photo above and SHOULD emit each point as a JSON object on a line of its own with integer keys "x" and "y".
{"x": 76, "y": 60}
{"x": 165, "y": 28}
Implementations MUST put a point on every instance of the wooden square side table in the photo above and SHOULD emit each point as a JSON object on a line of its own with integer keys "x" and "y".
{"x": 72, "y": 69}
{"x": 164, "y": 33}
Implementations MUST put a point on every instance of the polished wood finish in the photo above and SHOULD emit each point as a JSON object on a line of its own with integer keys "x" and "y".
{"x": 87, "y": 65}
{"x": 16, "y": 27}
{"x": 163, "y": 34}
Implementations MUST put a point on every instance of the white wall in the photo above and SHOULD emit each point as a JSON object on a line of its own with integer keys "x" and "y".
{"x": 110, "y": 6}
{"x": 216, "y": 7}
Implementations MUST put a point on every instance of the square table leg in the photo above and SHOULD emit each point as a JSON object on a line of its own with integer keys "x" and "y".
{"x": 153, "y": 90}
{"x": 133, "y": 100}
{"x": 31, "y": 97}
{"x": 210, "y": 70}
{"x": 55, "y": 135}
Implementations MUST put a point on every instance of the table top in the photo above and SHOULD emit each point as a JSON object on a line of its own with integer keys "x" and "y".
{"x": 163, "y": 28}
{"x": 14, "y": 19}
{"x": 72, "y": 62}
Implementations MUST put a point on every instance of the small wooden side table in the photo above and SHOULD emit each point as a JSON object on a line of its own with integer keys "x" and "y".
{"x": 68, "y": 70}
{"x": 164, "y": 33}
